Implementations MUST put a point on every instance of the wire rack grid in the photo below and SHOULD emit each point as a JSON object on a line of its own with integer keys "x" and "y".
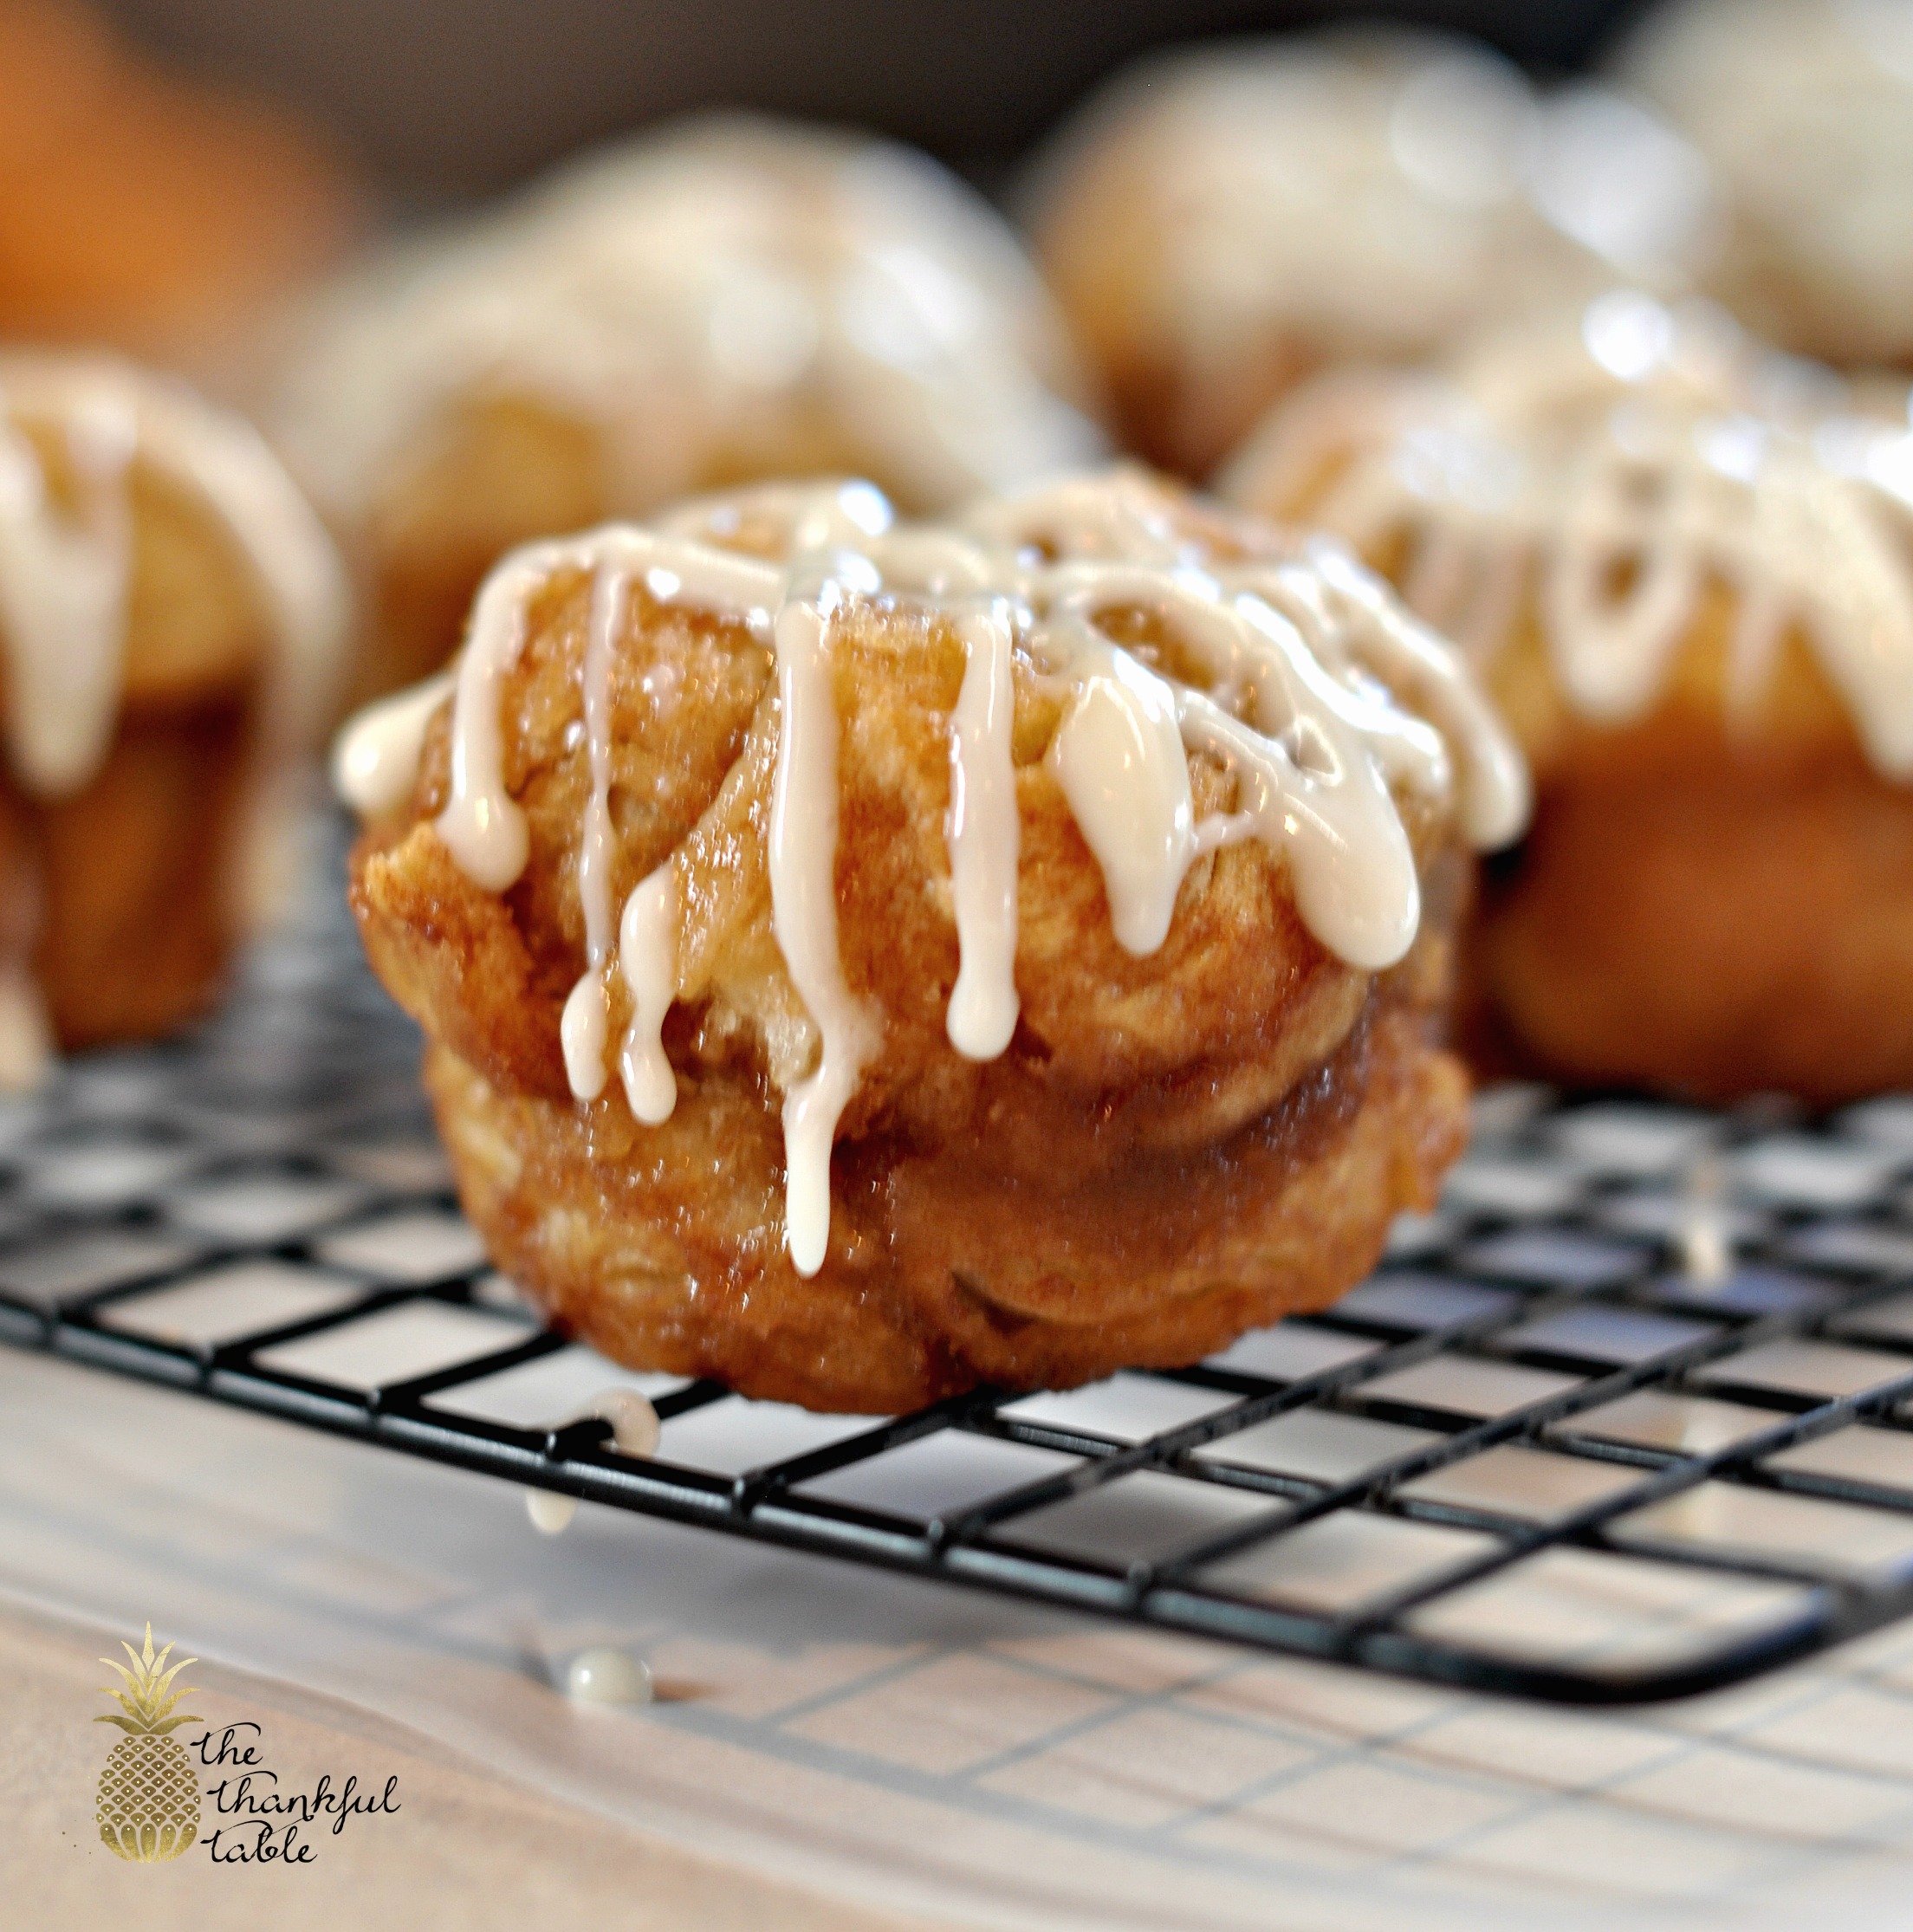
{"x": 1629, "y": 1418}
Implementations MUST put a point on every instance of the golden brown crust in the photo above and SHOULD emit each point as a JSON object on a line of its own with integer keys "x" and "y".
{"x": 133, "y": 875}
{"x": 1741, "y": 927}
{"x": 1714, "y": 912}
{"x": 1102, "y": 246}
{"x": 947, "y": 1275}
{"x": 1709, "y": 903}
{"x": 1173, "y": 1148}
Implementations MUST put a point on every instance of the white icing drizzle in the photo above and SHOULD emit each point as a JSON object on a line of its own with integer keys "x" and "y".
{"x": 587, "y": 1012}
{"x": 481, "y": 824}
{"x": 634, "y": 1426}
{"x": 634, "y": 1431}
{"x": 1118, "y": 757}
{"x": 64, "y": 580}
{"x": 647, "y": 956}
{"x": 803, "y": 898}
{"x": 707, "y": 295}
{"x": 984, "y": 835}
{"x": 583, "y": 1030}
{"x": 375, "y": 759}
{"x": 26, "y": 1033}
{"x": 67, "y": 578}
{"x": 1621, "y": 468}
{"x": 1299, "y": 652}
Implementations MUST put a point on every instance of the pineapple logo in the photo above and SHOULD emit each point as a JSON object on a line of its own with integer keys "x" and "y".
{"x": 149, "y": 1798}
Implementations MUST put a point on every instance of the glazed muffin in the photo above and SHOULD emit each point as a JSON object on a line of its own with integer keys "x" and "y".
{"x": 1220, "y": 225}
{"x": 145, "y": 212}
{"x": 1804, "y": 108}
{"x": 861, "y": 960}
{"x": 1685, "y": 570}
{"x": 731, "y": 300}
{"x": 172, "y": 618}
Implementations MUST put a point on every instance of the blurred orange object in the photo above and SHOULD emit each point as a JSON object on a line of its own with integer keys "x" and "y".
{"x": 144, "y": 211}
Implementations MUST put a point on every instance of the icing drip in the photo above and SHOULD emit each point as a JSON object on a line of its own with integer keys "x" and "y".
{"x": 634, "y": 1427}
{"x": 648, "y": 955}
{"x": 803, "y": 897}
{"x": 1295, "y": 657}
{"x": 984, "y": 835}
{"x": 634, "y": 1431}
{"x": 583, "y": 1030}
{"x": 1118, "y": 757}
{"x": 1621, "y": 472}
{"x": 26, "y": 1033}
{"x": 375, "y": 761}
{"x": 604, "y": 1675}
{"x": 482, "y": 826}
{"x": 551, "y": 1512}
{"x": 587, "y": 1012}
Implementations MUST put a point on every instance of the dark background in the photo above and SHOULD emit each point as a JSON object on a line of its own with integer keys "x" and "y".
{"x": 445, "y": 97}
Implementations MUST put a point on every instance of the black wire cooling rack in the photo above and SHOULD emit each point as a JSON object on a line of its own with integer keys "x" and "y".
{"x": 1627, "y": 1418}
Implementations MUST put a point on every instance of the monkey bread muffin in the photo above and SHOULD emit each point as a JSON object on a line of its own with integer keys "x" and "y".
{"x": 1220, "y": 225}
{"x": 172, "y": 618}
{"x": 863, "y": 959}
{"x": 1804, "y": 111}
{"x": 1685, "y": 567}
{"x": 731, "y": 300}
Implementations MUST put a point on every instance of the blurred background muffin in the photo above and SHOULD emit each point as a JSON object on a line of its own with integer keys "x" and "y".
{"x": 731, "y": 300}
{"x": 1223, "y": 223}
{"x": 1685, "y": 568}
{"x": 172, "y": 615}
{"x": 1804, "y": 108}
{"x": 145, "y": 212}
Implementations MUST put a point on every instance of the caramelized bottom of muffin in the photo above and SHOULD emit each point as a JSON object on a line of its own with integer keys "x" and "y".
{"x": 122, "y": 894}
{"x": 662, "y": 1250}
{"x": 1736, "y": 926}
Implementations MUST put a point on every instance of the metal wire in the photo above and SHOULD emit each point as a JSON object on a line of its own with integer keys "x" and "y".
{"x": 1624, "y": 1421}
